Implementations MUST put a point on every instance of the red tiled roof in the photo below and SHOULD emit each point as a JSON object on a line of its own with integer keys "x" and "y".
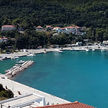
{"x": 68, "y": 105}
{"x": 72, "y": 27}
{"x": 39, "y": 27}
{"x": 8, "y": 26}
{"x": 63, "y": 28}
{"x": 77, "y": 26}
{"x": 47, "y": 26}
{"x": 56, "y": 27}
{"x": 3, "y": 38}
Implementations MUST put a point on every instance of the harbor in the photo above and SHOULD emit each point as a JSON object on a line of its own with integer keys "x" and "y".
{"x": 25, "y": 96}
{"x": 53, "y": 54}
{"x": 32, "y": 55}
{"x": 70, "y": 75}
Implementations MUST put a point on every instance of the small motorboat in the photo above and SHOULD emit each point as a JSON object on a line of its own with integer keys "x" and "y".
{"x": 30, "y": 54}
{"x": 21, "y": 61}
{"x": 58, "y": 50}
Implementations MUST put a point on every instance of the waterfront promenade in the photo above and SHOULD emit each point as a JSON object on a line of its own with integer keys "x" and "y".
{"x": 24, "y": 90}
{"x": 38, "y": 51}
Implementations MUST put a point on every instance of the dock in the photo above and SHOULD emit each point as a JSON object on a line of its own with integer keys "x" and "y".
{"x": 18, "y": 68}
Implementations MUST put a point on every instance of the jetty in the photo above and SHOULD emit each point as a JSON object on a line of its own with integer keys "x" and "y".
{"x": 18, "y": 68}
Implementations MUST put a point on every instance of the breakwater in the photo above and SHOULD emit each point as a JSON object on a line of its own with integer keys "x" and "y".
{"x": 18, "y": 68}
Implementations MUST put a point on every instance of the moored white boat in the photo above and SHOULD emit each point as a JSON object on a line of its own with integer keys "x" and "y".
{"x": 30, "y": 54}
{"x": 93, "y": 49}
{"x": 103, "y": 49}
{"x": 86, "y": 49}
{"x": 58, "y": 50}
{"x": 14, "y": 57}
{"x": 21, "y": 61}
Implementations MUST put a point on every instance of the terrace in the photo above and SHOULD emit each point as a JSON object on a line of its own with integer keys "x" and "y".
{"x": 23, "y": 101}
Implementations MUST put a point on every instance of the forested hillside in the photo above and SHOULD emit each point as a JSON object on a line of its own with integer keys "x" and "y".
{"x": 40, "y": 12}
{"x": 25, "y": 14}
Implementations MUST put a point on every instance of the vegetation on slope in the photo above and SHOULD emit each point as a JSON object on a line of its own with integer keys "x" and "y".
{"x": 90, "y": 13}
{"x": 5, "y": 93}
{"x": 26, "y": 14}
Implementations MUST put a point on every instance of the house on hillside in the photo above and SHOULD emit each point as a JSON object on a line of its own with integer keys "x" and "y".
{"x": 57, "y": 29}
{"x": 39, "y": 28}
{"x": 73, "y": 29}
{"x": 70, "y": 29}
{"x": 67, "y": 30}
{"x": 3, "y": 39}
{"x": 8, "y": 28}
{"x": 78, "y": 30}
{"x": 49, "y": 27}
{"x": 64, "y": 30}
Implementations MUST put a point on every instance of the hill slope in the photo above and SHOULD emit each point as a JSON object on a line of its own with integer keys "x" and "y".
{"x": 40, "y": 12}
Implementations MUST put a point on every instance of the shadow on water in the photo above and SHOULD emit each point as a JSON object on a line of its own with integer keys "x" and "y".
{"x": 26, "y": 77}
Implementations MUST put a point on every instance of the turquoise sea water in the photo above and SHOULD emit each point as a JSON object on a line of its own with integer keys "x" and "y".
{"x": 72, "y": 75}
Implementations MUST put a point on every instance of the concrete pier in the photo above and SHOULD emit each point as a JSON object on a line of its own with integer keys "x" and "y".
{"x": 18, "y": 68}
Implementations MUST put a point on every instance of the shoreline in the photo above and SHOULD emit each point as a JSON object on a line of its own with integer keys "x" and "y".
{"x": 32, "y": 52}
{"x": 15, "y": 87}
{"x": 44, "y": 50}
